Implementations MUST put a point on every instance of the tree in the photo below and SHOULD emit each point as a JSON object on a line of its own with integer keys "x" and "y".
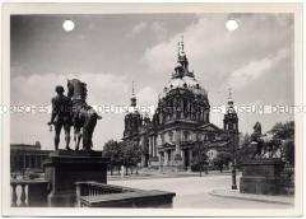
{"x": 131, "y": 154}
{"x": 289, "y": 151}
{"x": 284, "y": 133}
{"x": 245, "y": 140}
{"x": 38, "y": 144}
{"x": 244, "y": 150}
{"x": 113, "y": 150}
{"x": 200, "y": 159}
{"x": 225, "y": 158}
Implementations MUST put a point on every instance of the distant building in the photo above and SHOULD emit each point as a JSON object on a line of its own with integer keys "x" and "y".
{"x": 23, "y": 156}
{"x": 180, "y": 123}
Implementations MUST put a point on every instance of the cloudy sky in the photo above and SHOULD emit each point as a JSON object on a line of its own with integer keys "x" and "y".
{"x": 108, "y": 52}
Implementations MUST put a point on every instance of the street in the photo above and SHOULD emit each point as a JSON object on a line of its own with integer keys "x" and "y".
{"x": 193, "y": 192}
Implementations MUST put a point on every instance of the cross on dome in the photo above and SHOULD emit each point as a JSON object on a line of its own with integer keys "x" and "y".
{"x": 230, "y": 93}
{"x": 133, "y": 98}
{"x": 230, "y": 107}
{"x": 181, "y": 47}
{"x": 133, "y": 88}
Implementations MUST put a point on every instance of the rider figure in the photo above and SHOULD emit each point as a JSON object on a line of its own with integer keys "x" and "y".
{"x": 61, "y": 116}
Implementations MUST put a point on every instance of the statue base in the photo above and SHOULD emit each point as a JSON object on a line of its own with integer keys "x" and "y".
{"x": 64, "y": 168}
{"x": 262, "y": 176}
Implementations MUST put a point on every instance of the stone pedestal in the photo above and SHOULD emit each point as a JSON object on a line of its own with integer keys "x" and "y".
{"x": 64, "y": 168}
{"x": 262, "y": 176}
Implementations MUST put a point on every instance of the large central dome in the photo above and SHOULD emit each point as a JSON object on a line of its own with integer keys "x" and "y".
{"x": 183, "y": 78}
{"x": 182, "y": 99}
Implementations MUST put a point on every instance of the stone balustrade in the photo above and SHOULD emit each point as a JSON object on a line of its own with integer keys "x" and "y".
{"x": 91, "y": 189}
{"x": 93, "y": 194}
{"x": 29, "y": 193}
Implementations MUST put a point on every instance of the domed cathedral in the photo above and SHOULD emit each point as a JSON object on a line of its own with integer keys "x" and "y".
{"x": 180, "y": 123}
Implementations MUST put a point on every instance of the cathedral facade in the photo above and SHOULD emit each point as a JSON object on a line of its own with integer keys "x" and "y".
{"x": 180, "y": 126}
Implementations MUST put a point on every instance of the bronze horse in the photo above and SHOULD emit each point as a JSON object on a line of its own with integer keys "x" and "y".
{"x": 84, "y": 117}
{"x": 266, "y": 146}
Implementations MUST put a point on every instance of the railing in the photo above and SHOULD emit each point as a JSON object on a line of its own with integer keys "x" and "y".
{"x": 29, "y": 193}
{"x": 95, "y": 188}
{"x": 93, "y": 194}
{"x": 90, "y": 189}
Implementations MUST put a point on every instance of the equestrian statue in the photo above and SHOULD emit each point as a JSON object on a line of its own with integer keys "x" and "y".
{"x": 265, "y": 145}
{"x": 73, "y": 110}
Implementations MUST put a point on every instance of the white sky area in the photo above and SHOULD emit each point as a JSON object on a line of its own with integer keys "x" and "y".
{"x": 108, "y": 52}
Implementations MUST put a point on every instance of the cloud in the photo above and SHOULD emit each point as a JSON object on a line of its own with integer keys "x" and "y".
{"x": 148, "y": 98}
{"x": 103, "y": 90}
{"x": 254, "y": 69}
{"x": 218, "y": 57}
{"x": 159, "y": 30}
{"x": 156, "y": 29}
{"x": 137, "y": 29}
{"x": 247, "y": 58}
{"x": 160, "y": 59}
{"x": 101, "y": 86}
{"x": 214, "y": 52}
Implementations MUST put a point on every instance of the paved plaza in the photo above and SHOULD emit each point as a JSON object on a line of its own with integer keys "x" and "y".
{"x": 195, "y": 192}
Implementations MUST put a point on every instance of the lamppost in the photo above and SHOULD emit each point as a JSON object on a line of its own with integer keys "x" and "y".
{"x": 233, "y": 146}
{"x": 231, "y": 126}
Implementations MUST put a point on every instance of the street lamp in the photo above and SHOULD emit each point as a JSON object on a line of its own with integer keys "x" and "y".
{"x": 233, "y": 146}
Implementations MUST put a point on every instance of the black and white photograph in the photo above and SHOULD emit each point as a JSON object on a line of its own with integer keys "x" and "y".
{"x": 194, "y": 110}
